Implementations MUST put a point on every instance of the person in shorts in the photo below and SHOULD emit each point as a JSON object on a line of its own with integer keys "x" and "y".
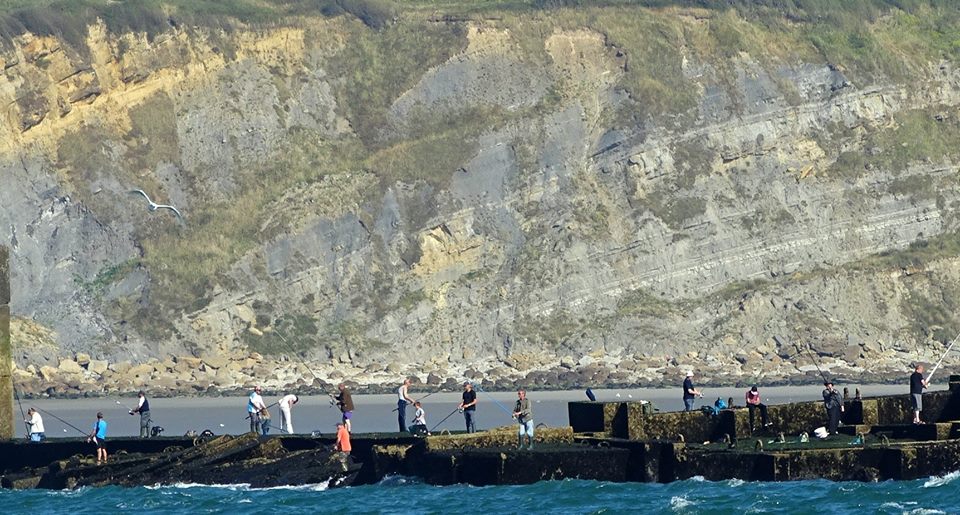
{"x": 917, "y": 384}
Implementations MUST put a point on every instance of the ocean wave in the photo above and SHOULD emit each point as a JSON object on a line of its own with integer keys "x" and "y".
{"x": 925, "y": 511}
{"x": 733, "y": 483}
{"x": 244, "y": 487}
{"x": 398, "y": 480}
{"x": 697, "y": 478}
{"x": 678, "y": 503}
{"x": 937, "y": 481}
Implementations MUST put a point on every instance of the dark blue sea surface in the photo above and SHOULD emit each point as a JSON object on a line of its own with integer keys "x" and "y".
{"x": 405, "y": 495}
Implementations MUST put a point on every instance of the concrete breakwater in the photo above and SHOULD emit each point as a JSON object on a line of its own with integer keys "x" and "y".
{"x": 609, "y": 441}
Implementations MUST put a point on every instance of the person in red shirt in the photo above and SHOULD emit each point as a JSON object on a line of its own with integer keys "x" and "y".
{"x": 343, "y": 439}
{"x": 753, "y": 404}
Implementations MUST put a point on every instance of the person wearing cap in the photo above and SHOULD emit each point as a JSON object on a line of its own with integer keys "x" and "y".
{"x": 689, "y": 392}
{"x": 99, "y": 438}
{"x": 754, "y": 404}
{"x": 469, "y": 407}
{"x": 833, "y": 404}
{"x": 255, "y": 407}
{"x": 143, "y": 408}
{"x": 35, "y": 421}
{"x": 286, "y": 418}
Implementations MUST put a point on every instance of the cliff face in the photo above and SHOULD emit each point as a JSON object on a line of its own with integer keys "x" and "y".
{"x": 621, "y": 191}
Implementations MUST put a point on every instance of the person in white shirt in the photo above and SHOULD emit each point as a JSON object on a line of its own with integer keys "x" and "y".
{"x": 35, "y": 421}
{"x": 255, "y": 406}
{"x": 286, "y": 404}
{"x": 419, "y": 426}
{"x": 402, "y": 400}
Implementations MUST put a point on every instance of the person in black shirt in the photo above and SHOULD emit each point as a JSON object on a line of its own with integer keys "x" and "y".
{"x": 469, "y": 407}
{"x": 917, "y": 384}
{"x": 689, "y": 392}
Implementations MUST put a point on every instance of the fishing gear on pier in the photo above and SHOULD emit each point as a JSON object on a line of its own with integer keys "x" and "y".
{"x": 935, "y": 367}
{"x": 418, "y": 400}
{"x": 444, "y": 419}
{"x": 81, "y": 431}
{"x": 23, "y": 415}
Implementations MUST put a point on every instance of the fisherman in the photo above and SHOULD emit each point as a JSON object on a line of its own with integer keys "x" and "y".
{"x": 99, "y": 438}
{"x": 402, "y": 400}
{"x": 286, "y": 419}
{"x": 143, "y": 408}
{"x": 523, "y": 412}
{"x": 689, "y": 392}
{"x": 343, "y": 439}
{"x": 35, "y": 421}
{"x": 917, "y": 384}
{"x": 469, "y": 407}
{"x": 345, "y": 403}
{"x": 419, "y": 426}
{"x": 753, "y": 404}
{"x": 255, "y": 407}
{"x": 833, "y": 404}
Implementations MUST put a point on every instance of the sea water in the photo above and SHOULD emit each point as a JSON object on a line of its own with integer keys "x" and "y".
{"x": 405, "y": 495}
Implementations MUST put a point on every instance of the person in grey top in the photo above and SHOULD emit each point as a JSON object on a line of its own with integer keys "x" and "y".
{"x": 523, "y": 412}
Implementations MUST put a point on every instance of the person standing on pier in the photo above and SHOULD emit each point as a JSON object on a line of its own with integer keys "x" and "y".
{"x": 35, "y": 421}
{"x": 917, "y": 384}
{"x": 255, "y": 407}
{"x": 402, "y": 400}
{"x": 143, "y": 408}
{"x": 833, "y": 405}
{"x": 286, "y": 417}
{"x": 523, "y": 412}
{"x": 469, "y": 407}
{"x": 689, "y": 392}
{"x": 99, "y": 438}
{"x": 345, "y": 403}
{"x": 754, "y": 404}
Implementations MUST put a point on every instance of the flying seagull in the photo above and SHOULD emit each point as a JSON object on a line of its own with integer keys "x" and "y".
{"x": 154, "y": 206}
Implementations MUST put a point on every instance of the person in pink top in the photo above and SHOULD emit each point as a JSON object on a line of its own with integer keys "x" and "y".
{"x": 753, "y": 404}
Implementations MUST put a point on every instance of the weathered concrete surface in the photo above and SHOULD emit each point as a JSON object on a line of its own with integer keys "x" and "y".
{"x": 6, "y": 356}
{"x": 222, "y": 460}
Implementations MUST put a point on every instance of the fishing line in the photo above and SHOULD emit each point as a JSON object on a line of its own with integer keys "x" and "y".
{"x": 84, "y": 433}
{"x": 481, "y": 390}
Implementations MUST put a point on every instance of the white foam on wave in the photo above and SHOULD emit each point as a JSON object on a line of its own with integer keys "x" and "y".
{"x": 733, "y": 483}
{"x": 679, "y": 503}
{"x": 937, "y": 481}
{"x": 697, "y": 478}
{"x": 244, "y": 487}
{"x": 396, "y": 480}
{"x": 925, "y": 511}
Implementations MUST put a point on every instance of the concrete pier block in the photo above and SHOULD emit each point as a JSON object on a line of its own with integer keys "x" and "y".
{"x": 609, "y": 418}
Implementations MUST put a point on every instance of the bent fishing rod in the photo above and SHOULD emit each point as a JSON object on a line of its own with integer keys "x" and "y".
{"x": 302, "y": 361}
{"x": 84, "y": 433}
{"x": 809, "y": 352}
{"x": 935, "y": 367}
{"x": 23, "y": 415}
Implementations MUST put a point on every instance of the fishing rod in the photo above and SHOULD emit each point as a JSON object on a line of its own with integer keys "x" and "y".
{"x": 935, "y": 367}
{"x": 294, "y": 352}
{"x": 84, "y": 433}
{"x": 444, "y": 420}
{"x": 418, "y": 400}
{"x": 267, "y": 408}
{"x": 809, "y": 352}
{"x": 23, "y": 415}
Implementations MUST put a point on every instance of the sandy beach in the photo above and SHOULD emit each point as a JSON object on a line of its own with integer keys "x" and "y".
{"x": 374, "y": 412}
